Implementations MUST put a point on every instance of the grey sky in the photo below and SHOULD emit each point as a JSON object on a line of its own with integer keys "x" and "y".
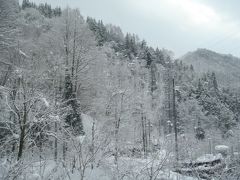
{"x": 178, "y": 25}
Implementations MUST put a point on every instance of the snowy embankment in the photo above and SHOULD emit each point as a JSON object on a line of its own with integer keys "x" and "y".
{"x": 128, "y": 168}
{"x": 87, "y": 124}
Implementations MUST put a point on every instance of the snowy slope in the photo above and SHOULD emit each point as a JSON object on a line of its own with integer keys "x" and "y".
{"x": 87, "y": 124}
{"x": 46, "y": 170}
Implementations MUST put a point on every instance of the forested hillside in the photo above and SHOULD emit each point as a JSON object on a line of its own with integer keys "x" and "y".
{"x": 82, "y": 100}
{"x": 225, "y": 66}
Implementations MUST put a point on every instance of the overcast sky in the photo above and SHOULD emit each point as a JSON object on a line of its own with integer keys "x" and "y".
{"x": 177, "y": 25}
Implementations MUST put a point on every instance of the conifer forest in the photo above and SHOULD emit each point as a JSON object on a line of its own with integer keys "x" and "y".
{"x": 81, "y": 99}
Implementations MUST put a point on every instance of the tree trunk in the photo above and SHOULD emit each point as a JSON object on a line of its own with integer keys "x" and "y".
{"x": 22, "y": 125}
{"x": 21, "y": 140}
{"x": 93, "y": 141}
{"x": 175, "y": 123}
{"x": 143, "y": 136}
{"x": 64, "y": 150}
{"x": 55, "y": 143}
{"x": 149, "y": 134}
{"x": 116, "y": 140}
{"x": 21, "y": 143}
{"x": 146, "y": 136}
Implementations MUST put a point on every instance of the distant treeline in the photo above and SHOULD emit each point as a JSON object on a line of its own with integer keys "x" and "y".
{"x": 44, "y": 9}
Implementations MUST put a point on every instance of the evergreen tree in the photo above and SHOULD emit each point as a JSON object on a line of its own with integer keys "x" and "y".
{"x": 101, "y": 33}
{"x": 26, "y": 4}
{"x": 92, "y": 24}
{"x": 200, "y": 133}
{"x": 143, "y": 44}
{"x": 44, "y": 9}
{"x": 98, "y": 29}
{"x": 73, "y": 116}
{"x": 199, "y": 89}
{"x": 191, "y": 67}
{"x": 148, "y": 57}
{"x": 127, "y": 46}
{"x": 159, "y": 57}
{"x": 214, "y": 81}
{"x": 57, "y": 11}
{"x": 153, "y": 83}
{"x": 133, "y": 47}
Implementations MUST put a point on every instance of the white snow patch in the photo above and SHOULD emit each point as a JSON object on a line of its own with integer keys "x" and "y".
{"x": 141, "y": 167}
{"x": 55, "y": 118}
{"x": 45, "y": 102}
{"x": 22, "y": 53}
{"x": 209, "y": 158}
{"x": 51, "y": 170}
{"x": 221, "y": 148}
{"x": 80, "y": 139}
{"x": 34, "y": 176}
{"x": 4, "y": 89}
{"x": 87, "y": 124}
{"x": 16, "y": 136}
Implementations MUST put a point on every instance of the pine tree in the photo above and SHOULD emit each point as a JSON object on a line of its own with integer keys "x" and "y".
{"x": 127, "y": 46}
{"x": 191, "y": 67}
{"x": 199, "y": 89}
{"x": 26, "y": 4}
{"x": 73, "y": 117}
{"x": 214, "y": 81}
{"x": 148, "y": 57}
{"x": 92, "y": 24}
{"x": 57, "y": 11}
{"x": 102, "y": 33}
{"x": 99, "y": 30}
{"x": 200, "y": 133}
{"x": 159, "y": 57}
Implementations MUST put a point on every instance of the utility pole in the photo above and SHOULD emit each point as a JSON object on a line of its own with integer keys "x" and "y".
{"x": 175, "y": 122}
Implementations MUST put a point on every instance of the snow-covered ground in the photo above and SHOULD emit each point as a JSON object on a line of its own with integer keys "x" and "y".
{"x": 129, "y": 169}
{"x": 209, "y": 158}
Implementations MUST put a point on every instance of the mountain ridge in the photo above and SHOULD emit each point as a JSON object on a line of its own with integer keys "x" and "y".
{"x": 226, "y": 66}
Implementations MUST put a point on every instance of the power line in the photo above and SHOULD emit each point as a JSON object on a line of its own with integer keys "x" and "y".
{"x": 224, "y": 39}
{"x": 215, "y": 41}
